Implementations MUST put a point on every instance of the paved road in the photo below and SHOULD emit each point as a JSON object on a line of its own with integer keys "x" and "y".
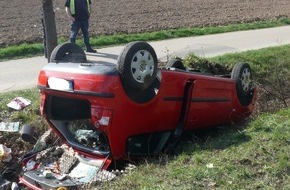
{"x": 22, "y": 74}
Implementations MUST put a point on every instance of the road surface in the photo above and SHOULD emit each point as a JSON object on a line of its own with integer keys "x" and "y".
{"x": 23, "y": 73}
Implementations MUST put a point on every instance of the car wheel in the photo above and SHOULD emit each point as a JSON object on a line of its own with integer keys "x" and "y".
{"x": 242, "y": 75}
{"x": 176, "y": 63}
{"x": 68, "y": 52}
{"x": 137, "y": 65}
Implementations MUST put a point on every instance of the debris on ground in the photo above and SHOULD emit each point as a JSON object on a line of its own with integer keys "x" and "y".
{"x": 19, "y": 103}
{"x": 129, "y": 167}
{"x": 4, "y": 184}
{"x": 9, "y": 126}
{"x": 27, "y": 133}
{"x": 5, "y": 153}
{"x": 14, "y": 186}
{"x": 61, "y": 164}
{"x": 51, "y": 162}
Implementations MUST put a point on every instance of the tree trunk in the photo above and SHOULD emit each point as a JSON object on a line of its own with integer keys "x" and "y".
{"x": 50, "y": 35}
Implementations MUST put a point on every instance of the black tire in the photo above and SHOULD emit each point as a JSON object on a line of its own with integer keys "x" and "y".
{"x": 242, "y": 75}
{"x": 176, "y": 63}
{"x": 68, "y": 52}
{"x": 137, "y": 65}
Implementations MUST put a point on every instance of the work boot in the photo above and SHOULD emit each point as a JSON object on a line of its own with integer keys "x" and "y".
{"x": 91, "y": 50}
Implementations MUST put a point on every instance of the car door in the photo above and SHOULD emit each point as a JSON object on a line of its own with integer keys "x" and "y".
{"x": 210, "y": 102}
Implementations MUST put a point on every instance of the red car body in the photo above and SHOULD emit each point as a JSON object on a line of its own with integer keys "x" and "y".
{"x": 213, "y": 102}
{"x": 134, "y": 122}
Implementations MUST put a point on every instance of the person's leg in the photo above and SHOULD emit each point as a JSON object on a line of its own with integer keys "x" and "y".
{"x": 85, "y": 31}
{"x": 75, "y": 27}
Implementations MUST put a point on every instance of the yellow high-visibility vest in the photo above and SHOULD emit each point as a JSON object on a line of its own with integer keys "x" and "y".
{"x": 73, "y": 9}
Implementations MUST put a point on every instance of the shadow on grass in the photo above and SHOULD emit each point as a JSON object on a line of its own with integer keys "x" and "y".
{"x": 213, "y": 139}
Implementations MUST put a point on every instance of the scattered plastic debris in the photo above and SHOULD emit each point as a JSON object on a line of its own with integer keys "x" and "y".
{"x": 84, "y": 172}
{"x": 5, "y": 153}
{"x": 19, "y": 103}
{"x": 209, "y": 165}
{"x": 4, "y": 184}
{"x": 14, "y": 186}
{"x": 27, "y": 133}
{"x": 62, "y": 165}
{"x": 30, "y": 165}
{"x": 9, "y": 126}
{"x": 104, "y": 176}
{"x": 41, "y": 143}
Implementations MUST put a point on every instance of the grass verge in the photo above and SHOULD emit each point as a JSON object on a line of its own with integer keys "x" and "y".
{"x": 254, "y": 155}
{"x": 30, "y": 50}
{"x": 30, "y": 115}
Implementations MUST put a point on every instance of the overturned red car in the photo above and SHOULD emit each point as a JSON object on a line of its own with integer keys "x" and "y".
{"x": 107, "y": 111}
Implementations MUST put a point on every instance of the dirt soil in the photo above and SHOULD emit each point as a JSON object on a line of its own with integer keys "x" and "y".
{"x": 21, "y": 20}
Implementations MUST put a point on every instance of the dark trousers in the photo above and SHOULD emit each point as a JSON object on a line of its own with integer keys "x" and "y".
{"x": 84, "y": 26}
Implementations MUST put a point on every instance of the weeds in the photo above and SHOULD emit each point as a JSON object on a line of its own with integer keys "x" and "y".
{"x": 258, "y": 159}
{"x": 275, "y": 94}
{"x": 271, "y": 70}
{"x": 254, "y": 155}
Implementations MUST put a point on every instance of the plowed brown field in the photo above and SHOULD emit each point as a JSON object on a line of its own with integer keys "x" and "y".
{"x": 20, "y": 20}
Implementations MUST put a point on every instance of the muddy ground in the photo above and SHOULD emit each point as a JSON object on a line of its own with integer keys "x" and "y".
{"x": 20, "y": 21}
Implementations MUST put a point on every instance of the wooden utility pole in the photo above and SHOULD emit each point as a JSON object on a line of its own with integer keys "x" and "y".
{"x": 50, "y": 35}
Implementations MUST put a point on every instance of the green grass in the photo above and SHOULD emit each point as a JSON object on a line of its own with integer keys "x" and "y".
{"x": 263, "y": 62}
{"x": 30, "y": 50}
{"x": 254, "y": 155}
{"x": 30, "y": 115}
